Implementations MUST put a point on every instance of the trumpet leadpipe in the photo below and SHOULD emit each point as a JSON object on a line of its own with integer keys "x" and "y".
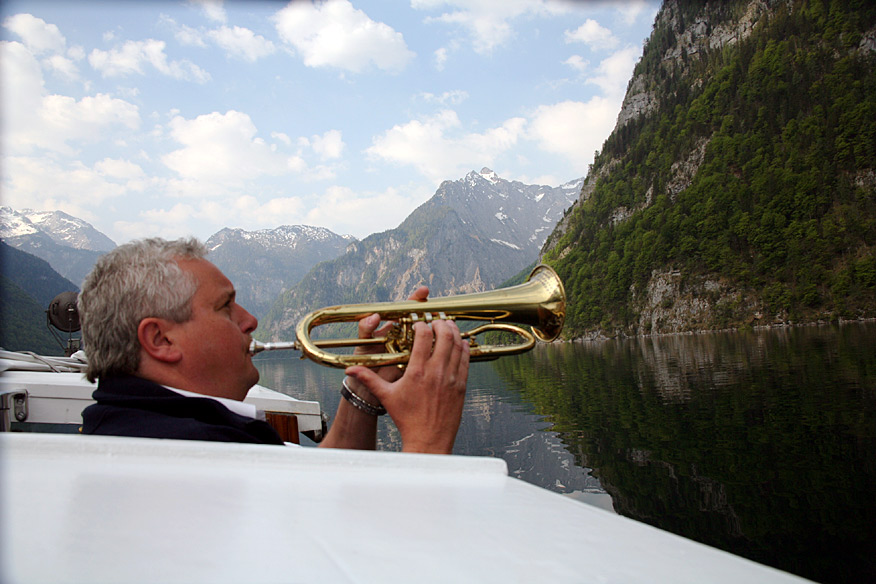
{"x": 256, "y": 347}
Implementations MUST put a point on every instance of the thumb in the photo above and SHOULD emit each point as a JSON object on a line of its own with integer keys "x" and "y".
{"x": 371, "y": 381}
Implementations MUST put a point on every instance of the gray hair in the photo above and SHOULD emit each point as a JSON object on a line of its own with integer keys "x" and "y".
{"x": 136, "y": 280}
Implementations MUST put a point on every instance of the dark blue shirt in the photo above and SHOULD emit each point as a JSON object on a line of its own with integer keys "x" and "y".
{"x": 132, "y": 406}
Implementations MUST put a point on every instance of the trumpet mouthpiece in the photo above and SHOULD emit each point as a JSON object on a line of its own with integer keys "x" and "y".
{"x": 256, "y": 347}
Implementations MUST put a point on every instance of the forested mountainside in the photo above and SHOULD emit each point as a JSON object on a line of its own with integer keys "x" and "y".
{"x": 27, "y": 286}
{"x": 739, "y": 185}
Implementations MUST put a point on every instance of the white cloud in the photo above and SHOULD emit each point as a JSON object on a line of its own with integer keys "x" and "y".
{"x": 224, "y": 148}
{"x": 119, "y": 169}
{"x": 431, "y": 146}
{"x": 244, "y": 211}
{"x": 42, "y": 183}
{"x": 32, "y": 119}
{"x": 614, "y": 72}
{"x": 62, "y": 66}
{"x": 249, "y": 212}
{"x": 334, "y": 34}
{"x": 132, "y": 56}
{"x": 236, "y": 41}
{"x": 329, "y": 145}
{"x": 578, "y": 63}
{"x": 213, "y": 9}
{"x": 84, "y": 119}
{"x": 574, "y": 129}
{"x": 592, "y": 34}
{"x": 440, "y": 58}
{"x": 169, "y": 223}
{"x": 452, "y": 97}
{"x": 346, "y": 211}
{"x": 242, "y": 43}
{"x": 41, "y": 38}
{"x": 37, "y": 35}
{"x": 631, "y": 9}
{"x": 186, "y": 35}
{"x": 488, "y": 22}
{"x": 284, "y": 138}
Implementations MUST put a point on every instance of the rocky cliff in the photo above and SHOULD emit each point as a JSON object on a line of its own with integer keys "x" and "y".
{"x": 737, "y": 187}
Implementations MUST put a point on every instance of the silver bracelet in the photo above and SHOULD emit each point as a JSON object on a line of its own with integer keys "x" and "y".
{"x": 360, "y": 403}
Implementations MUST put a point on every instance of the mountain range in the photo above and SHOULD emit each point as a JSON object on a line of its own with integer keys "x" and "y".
{"x": 472, "y": 235}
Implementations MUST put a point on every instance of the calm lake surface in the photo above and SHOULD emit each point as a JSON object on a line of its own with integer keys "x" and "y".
{"x": 762, "y": 443}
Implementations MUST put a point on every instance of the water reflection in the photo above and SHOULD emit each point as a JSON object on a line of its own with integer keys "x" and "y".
{"x": 761, "y": 443}
{"x": 496, "y": 422}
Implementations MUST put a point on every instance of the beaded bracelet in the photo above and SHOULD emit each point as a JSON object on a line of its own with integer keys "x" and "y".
{"x": 360, "y": 403}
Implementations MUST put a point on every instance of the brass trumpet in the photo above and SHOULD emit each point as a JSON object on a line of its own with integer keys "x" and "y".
{"x": 540, "y": 302}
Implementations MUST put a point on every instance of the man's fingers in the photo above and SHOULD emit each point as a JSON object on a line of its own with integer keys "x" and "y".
{"x": 367, "y": 325}
{"x": 447, "y": 339}
{"x": 420, "y": 294}
{"x": 422, "y": 348}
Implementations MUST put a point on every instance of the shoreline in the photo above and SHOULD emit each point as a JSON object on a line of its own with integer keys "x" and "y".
{"x": 599, "y": 336}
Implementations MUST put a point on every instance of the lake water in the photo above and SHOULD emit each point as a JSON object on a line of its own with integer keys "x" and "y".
{"x": 762, "y": 443}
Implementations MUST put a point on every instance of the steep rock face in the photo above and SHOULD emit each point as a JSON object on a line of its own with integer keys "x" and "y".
{"x": 671, "y": 303}
{"x": 264, "y": 263}
{"x": 737, "y": 187}
{"x": 472, "y": 235}
{"x": 707, "y": 31}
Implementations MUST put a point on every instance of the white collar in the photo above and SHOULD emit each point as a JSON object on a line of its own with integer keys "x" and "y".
{"x": 238, "y": 407}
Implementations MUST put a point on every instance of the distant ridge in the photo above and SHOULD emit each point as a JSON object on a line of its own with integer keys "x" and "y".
{"x": 264, "y": 263}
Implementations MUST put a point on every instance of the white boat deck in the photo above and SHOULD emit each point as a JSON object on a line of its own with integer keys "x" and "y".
{"x": 59, "y": 396}
{"x": 102, "y": 509}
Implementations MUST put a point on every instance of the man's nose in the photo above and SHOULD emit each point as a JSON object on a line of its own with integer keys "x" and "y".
{"x": 248, "y": 322}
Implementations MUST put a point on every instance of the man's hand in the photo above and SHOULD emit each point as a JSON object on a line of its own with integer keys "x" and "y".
{"x": 368, "y": 329}
{"x": 426, "y": 401}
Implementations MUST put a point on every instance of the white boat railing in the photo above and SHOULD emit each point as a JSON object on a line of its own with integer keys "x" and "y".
{"x": 49, "y": 393}
{"x": 27, "y": 361}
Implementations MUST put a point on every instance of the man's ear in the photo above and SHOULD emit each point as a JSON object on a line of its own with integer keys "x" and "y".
{"x": 155, "y": 339}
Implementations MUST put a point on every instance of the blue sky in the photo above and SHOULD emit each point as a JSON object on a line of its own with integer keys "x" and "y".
{"x": 178, "y": 118}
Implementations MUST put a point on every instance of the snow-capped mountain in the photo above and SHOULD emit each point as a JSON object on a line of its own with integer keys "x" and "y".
{"x": 472, "y": 235}
{"x": 62, "y": 228}
{"x": 70, "y": 245}
{"x": 514, "y": 214}
{"x": 265, "y": 262}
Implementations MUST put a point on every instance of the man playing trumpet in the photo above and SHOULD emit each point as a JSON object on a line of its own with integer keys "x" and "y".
{"x": 170, "y": 349}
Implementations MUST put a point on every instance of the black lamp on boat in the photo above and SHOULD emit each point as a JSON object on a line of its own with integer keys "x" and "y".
{"x": 63, "y": 315}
